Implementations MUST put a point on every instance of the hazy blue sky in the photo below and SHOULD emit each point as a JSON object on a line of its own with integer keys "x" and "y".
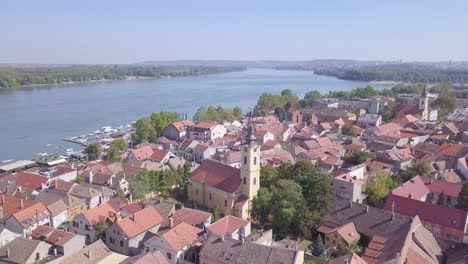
{"x": 112, "y": 31}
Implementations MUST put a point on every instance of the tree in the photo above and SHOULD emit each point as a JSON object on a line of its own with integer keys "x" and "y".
{"x": 285, "y": 171}
{"x": 93, "y": 151}
{"x": 349, "y": 130}
{"x": 113, "y": 154}
{"x": 421, "y": 167}
{"x": 268, "y": 176}
{"x": 311, "y": 96}
{"x": 79, "y": 180}
{"x": 379, "y": 187}
{"x": 119, "y": 144}
{"x": 120, "y": 193}
{"x": 319, "y": 247}
{"x": 353, "y": 248}
{"x": 462, "y": 202}
{"x": 100, "y": 229}
{"x": 356, "y": 157}
{"x": 214, "y": 114}
{"x": 261, "y": 206}
{"x": 268, "y": 102}
{"x": 442, "y": 199}
{"x": 161, "y": 120}
{"x": 215, "y": 214}
{"x": 145, "y": 131}
{"x": 446, "y": 103}
{"x": 281, "y": 113}
{"x": 316, "y": 186}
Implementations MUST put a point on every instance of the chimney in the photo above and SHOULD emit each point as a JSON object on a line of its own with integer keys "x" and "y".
{"x": 3, "y": 199}
{"x": 367, "y": 209}
{"x": 91, "y": 174}
{"x": 131, "y": 198}
{"x": 8, "y": 252}
{"x": 351, "y": 203}
{"x": 243, "y": 241}
{"x": 21, "y": 203}
{"x": 110, "y": 181}
{"x": 89, "y": 254}
{"x": 55, "y": 251}
{"x": 171, "y": 222}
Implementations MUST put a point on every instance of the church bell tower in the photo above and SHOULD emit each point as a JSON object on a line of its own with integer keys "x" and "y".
{"x": 250, "y": 163}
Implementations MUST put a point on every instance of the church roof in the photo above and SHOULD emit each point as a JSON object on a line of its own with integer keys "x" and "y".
{"x": 217, "y": 175}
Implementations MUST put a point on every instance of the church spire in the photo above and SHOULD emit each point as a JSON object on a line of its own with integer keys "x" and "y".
{"x": 250, "y": 130}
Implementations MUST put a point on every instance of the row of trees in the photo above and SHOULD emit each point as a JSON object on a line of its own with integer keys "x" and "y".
{"x": 148, "y": 129}
{"x": 163, "y": 182}
{"x": 15, "y": 77}
{"x": 279, "y": 103}
{"x": 399, "y": 73}
{"x": 292, "y": 198}
{"x": 214, "y": 114}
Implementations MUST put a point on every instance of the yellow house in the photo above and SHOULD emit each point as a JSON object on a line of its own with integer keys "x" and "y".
{"x": 342, "y": 236}
{"x": 230, "y": 189}
{"x": 75, "y": 206}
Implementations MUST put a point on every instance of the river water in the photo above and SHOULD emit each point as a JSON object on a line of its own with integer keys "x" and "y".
{"x": 30, "y": 119}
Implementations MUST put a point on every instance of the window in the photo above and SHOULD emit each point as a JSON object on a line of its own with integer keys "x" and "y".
{"x": 75, "y": 224}
{"x": 169, "y": 255}
{"x": 245, "y": 160}
{"x": 336, "y": 235}
{"x": 196, "y": 190}
{"x": 87, "y": 237}
{"x": 38, "y": 256}
{"x": 86, "y": 227}
{"x": 225, "y": 203}
{"x": 245, "y": 180}
{"x": 436, "y": 231}
{"x": 255, "y": 160}
{"x": 255, "y": 181}
{"x": 121, "y": 243}
{"x": 112, "y": 240}
{"x": 327, "y": 239}
{"x": 210, "y": 196}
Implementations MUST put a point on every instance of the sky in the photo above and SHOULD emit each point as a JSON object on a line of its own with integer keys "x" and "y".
{"x": 118, "y": 31}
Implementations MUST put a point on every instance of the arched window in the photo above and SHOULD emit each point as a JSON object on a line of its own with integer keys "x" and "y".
{"x": 255, "y": 160}
{"x": 245, "y": 180}
{"x": 245, "y": 159}
{"x": 255, "y": 181}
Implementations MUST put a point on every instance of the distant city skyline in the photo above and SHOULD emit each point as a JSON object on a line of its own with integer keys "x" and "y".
{"x": 111, "y": 32}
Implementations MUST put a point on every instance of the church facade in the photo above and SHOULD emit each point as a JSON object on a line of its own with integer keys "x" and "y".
{"x": 231, "y": 190}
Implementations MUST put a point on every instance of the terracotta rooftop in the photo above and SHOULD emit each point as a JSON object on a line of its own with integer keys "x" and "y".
{"x": 205, "y": 125}
{"x": 158, "y": 155}
{"x": 11, "y": 205}
{"x": 26, "y": 180}
{"x": 181, "y": 125}
{"x": 227, "y": 225}
{"x": 182, "y": 235}
{"x": 217, "y": 175}
{"x": 142, "y": 153}
{"x": 52, "y": 236}
{"x": 190, "y": 216}
{"x": 140, "y": 221}
{"x": 152, "y": 257}
{"x": 30, "y": 215}
{"x": 100, "y": 213}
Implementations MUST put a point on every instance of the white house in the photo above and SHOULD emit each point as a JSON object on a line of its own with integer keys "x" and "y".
{"x": 26, "y": 220}
{"x": 205, "y": 131}
{"x": 6, "y": 235}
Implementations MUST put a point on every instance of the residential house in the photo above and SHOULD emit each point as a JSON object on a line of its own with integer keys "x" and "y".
{"x": 27, "y": 219}
{"x": 6, "y": 235}
{"x": 10, "y": 205}
{"x": 92, "y": 193}
{"x": 24, "y": 251}
{"x": 177, "y": 130}
{"x": 369, "y": 120}
{"x": 95, "y": 253}
{"x": 348, "y": 187}
{"x": 128, "y": 235}
{"x": 187, "y": 146}
{"x": 75, "y": 206}
{"x": 264, "y": 135}
{"x": 230, "y": 226}
{"x": 411, "y": 244}
{"x": 175, "y": 243}
{"x": 205, "y": 131}
{"x": 193, "y": 217}
{"x": 65, "y": 173}
{"x": 343, "y": 236}
{"x": 441, "y": 221}
{"x": 61, "y": 241}
{"x": 84, "y": 223}
{"x": 202, "y": 152}
{"x": 58, "y": 213}
{"x": 154, "y": 256}
{"x": 217, "y": 250}
{"x": 27, "y": 180}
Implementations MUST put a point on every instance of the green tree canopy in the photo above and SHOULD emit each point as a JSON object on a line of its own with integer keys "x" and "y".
{"x": 268, "y": 176}
{"x": 349, "y": 130}
{"x": 421, "y": 167}
{"x": 446, "y": 103}
{"x": 93, "y": 151}
{"x": 120, "y": 144}
{"x": 113, "y": 154}
{"x": 215, "y": 114}
{"x": 379, "y": 188}
{"x": 356, "y": 157}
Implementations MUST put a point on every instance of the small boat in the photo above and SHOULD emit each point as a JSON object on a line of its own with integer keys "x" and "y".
{"x": 69, "y": 150}
{"x": 5, "y": 161}
{"x": 48, "y": 145}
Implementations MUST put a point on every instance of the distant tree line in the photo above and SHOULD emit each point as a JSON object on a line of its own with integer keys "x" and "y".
{"x": 214, "y": 114}
{"x": 15, "y": 77}
{"x": 398, "y": 73}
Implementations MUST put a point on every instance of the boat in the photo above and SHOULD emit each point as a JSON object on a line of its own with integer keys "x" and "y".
{"x": 69, "y": 150}
{"x": 48, "y": 145}
{"x": 5, "y": 161}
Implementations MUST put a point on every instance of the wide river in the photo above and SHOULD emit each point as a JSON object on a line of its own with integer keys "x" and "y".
{"x": 30, "y": 119}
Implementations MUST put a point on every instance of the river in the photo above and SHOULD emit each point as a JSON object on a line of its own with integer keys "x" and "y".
{"x": 30, "y": 119}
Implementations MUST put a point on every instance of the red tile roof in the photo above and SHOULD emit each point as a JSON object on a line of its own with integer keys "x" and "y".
{"x": 140, "y": 221}
{"x": 190, "y": 216}
{"x": 30, "y": 215}
{"x": 227, "y": 225}
{"x": 11, "y": 205}
{"x": 142, "y": 153}
{"x": 181, "y": 125}
{"x": 414, "y": 189}
{"x": 52, "y": 236}
{"x": 158, "y": 155}
{"x": 205, "y": 125}
{"x": 100, "y": 213}
{"x": 26, "y": 180}
{"x": 181, "y": 236}
{"x": 217, "y": 175}
{"x": 348, "y": 232}
{"x": 428, "y": 212}
{"x": 453, "y": 150}
{"x": 200, "y": 148}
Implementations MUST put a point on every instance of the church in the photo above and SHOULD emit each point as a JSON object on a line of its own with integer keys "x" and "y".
{"x": 231, "y": 190}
